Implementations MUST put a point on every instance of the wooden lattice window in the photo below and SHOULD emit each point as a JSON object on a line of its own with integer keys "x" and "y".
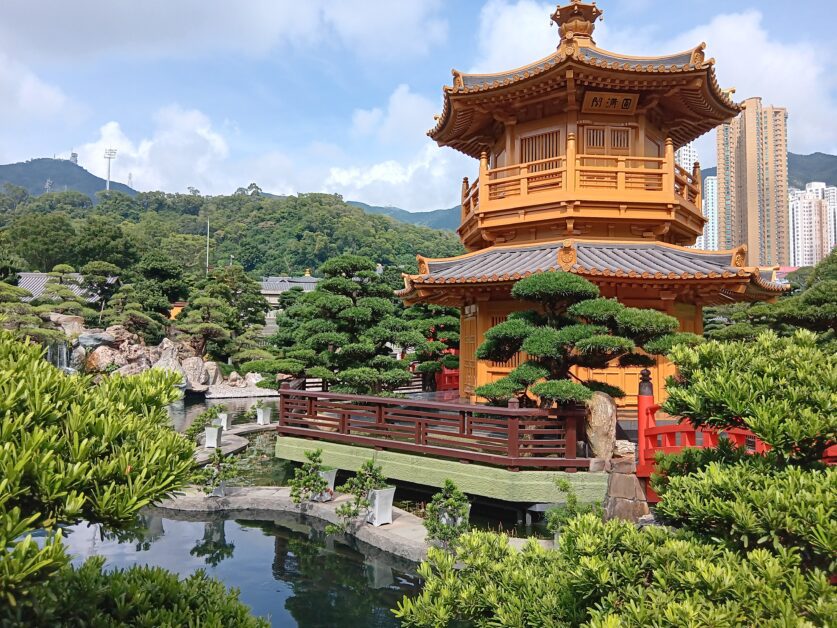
{"x": 620, "y": 141}
{"x": 538, "y": 147}
{"x": 594, "y": 140}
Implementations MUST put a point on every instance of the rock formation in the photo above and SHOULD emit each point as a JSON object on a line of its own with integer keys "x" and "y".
{"x": 601, "y": 425}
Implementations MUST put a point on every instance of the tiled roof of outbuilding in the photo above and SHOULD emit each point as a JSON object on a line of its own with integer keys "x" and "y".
{"x": 283, "y": 284}
{"x": 35, "y": 283}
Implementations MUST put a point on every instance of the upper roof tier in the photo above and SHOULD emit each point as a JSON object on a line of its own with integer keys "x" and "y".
{"x": 681, "y": 87}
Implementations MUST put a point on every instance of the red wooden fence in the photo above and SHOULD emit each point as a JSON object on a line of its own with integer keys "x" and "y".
{"x": 524, "y": 438}
{"x": 652, "y": 438}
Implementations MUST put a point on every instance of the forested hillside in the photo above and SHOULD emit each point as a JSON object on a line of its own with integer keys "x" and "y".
{"x": 437, "y": 218}
{"x": 63, "y": 174}
{"x": 267, "y": 236}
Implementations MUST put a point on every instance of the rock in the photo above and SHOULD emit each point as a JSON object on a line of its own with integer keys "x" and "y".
{"x": 195, "y": 375}
{"x": 70, "y": 325}
{"x": 620, "y": 465}
{"x": 624, "y": 449}
{"x": 234, "y": 379}
{"x": 213, "y": 373}
{"x": 251, "y": 379}
{"x": 597, "y": 465}
{"x": 647, "y": 520}
{"x": 122, "y": 337}
{"x": 93, "y": 339}
{"x": 134, "y": 368}
{"x": 601, "y": 425}
{"x": 624, "y": 486}
{"x": 78, "y": 358}
{"x": 625, "y": 509}
{"x": 102, "y": 358}
{"x": 168, "y": 360}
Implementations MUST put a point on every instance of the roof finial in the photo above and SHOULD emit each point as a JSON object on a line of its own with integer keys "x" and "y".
{"x": 576, "y": 20}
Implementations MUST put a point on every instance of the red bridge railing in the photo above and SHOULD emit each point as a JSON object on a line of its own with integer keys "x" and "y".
{"x": 515, "y": 438}
{"x": 653, "y": 438}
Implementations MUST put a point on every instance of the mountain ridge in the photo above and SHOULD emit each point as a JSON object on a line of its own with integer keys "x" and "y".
{"x": 64, "y": 174}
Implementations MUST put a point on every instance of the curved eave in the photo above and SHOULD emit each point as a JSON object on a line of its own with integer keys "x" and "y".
{"x": 709, "y": 100}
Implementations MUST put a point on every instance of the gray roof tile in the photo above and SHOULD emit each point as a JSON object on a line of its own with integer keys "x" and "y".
{"x": 638, "y": 257}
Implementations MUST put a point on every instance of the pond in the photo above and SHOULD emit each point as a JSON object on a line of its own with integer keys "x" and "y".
{"x": 286, "y": 568}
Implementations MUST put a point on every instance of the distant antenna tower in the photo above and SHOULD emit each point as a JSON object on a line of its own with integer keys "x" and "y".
{"x": 48, "y": 186}
{"x": 74, "y": 158}
{"x": 110, "y": 155}
{"x": 130, "y": 180}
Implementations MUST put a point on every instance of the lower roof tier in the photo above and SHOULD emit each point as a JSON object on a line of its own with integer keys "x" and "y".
{"x": 708, "y": 276}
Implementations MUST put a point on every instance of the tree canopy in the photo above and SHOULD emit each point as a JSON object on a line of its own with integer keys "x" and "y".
{"x": 573, "y": 326}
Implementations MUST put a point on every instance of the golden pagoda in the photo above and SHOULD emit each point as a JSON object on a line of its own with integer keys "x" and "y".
{"x": 577, "y": 173}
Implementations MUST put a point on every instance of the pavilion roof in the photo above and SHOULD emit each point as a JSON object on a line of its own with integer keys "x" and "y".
{"x": 682, "y": 84}
{"x": 646, "y": 262}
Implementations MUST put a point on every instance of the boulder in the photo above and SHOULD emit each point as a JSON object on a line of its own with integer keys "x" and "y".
{"x": 78, "y": 358}
{"x": 70, "y": 325}
{"x": 93, "y": 339}
{"x": 133, "y": 368}
{"x": 251, "y": 379}
{"x": 102, "y": 358}
{"x": 601, "y": 425}
{"x": 235, "y": 380}
{"x": 624, "y": 449}
{"x": 213, "y": 373}
{"x": 195, "y": 375}
{"x": 122, "y": 337}
{"x": 168, "y": 360}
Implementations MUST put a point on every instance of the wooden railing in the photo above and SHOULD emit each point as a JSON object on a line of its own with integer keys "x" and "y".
{"x": 517, "y": 439}
{"x": 470, "y": 197}
{"x": 687, "y": 185}
{"x": 596, "y": 176}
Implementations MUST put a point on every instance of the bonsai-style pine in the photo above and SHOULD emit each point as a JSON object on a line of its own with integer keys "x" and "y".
{"x": 439, "y": 326}
{"x": 572, "y": 326}
{"x": 344, "y": 331}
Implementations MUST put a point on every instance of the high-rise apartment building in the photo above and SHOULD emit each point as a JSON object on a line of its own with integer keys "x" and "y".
{"x": 686, "y": 156}
{"x": 709, "y": 240}
{"x": 753, "y": 184}
{"x": 813, "y": 222}
{"x": 808, "y": 218}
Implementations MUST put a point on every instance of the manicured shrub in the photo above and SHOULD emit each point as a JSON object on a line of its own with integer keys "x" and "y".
{"x": 613, "y": 574}
{"x": 562, "y": 392}
{"x": 447, "y": 515}
{"x": 782, "y": 389}
{"x": 139, "y": 596}
{"x": 748, "y": 506}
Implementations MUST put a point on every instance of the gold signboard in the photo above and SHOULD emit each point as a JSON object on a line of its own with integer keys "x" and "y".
{"x": 610, "y": 102}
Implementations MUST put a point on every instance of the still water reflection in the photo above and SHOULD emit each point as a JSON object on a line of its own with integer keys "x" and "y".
{"x": 286, "y": 568}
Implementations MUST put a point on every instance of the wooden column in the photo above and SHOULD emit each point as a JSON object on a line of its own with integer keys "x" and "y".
{"x": 668, "y": 166}
{"x": 483, "y": 189}
{"x": 571, "y": 163}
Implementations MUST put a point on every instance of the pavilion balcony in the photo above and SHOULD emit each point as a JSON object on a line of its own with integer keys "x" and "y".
{"x": 608, "y": 187}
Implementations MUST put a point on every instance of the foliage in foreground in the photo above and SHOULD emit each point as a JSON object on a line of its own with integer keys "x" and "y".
{"x": 72, "y": 450}
{"x": 782, "y": 389}
{"x": 612, "y": 574}
{"x": 138, "y": 596}
{"x": 746, "y": 506}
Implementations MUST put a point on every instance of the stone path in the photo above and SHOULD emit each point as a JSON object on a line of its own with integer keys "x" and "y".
{"x": 405, "y": 537}
{"x": 232, "y": 441}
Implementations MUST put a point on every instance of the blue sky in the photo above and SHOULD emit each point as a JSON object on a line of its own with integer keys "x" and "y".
{"x": 337, "y": 95}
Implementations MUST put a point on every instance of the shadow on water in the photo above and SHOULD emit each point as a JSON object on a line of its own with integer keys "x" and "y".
{"x": 285, "y": 566}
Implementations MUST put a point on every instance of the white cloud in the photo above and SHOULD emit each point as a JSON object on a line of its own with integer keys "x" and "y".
{"x": 514, "y": 34}
{"x": 24, "y": 95}
{"x": 407, "y": 118}
{"x": 423, "y": 176}
{"x": 795, "y": 74}
{"x": 188, "y": 28}
{"x": 431, "y": 179}
{"x": 183, "y": 150}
